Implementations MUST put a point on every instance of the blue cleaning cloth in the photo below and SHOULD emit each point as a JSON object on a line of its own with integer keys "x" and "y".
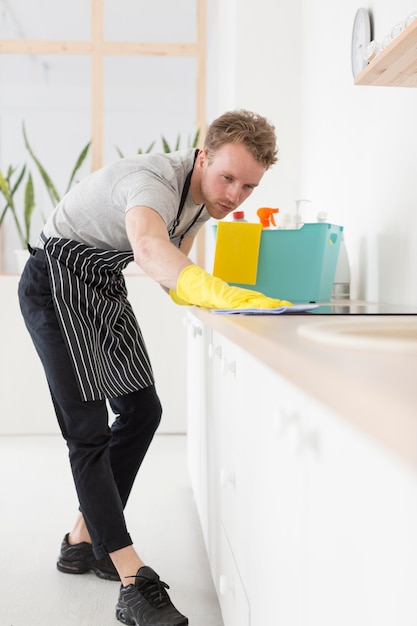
{"x": 296, "y": 308}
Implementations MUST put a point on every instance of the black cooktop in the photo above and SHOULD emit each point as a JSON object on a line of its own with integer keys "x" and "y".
{"x": 351, "y": 308}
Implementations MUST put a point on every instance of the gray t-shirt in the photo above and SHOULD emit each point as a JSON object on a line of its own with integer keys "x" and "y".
{"x": 93, "y": 212}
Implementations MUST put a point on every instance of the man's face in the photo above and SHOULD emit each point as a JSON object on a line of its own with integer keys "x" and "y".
{"x": 228, "y": 178}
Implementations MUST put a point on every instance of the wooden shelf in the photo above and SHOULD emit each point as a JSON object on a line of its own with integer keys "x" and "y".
{"x": 396, "y": 66}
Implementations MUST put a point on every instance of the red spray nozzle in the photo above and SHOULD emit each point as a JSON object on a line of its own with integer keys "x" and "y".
{"x": 266, "y": 216}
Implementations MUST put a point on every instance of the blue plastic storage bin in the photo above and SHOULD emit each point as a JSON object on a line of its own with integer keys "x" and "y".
{"x": 298, "y": 265}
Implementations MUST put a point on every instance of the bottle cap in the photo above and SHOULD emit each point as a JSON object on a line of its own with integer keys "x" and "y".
{"x": 238, "y": 215}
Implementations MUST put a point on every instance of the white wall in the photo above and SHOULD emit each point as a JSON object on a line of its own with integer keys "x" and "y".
{"x": 359, "y": 151}
{"x": 351, "y": 150}
{"x": 259, "y": 68}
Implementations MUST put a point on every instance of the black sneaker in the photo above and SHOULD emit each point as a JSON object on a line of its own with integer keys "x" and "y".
{"x": 79, "y": 559}
{"x": 146, "y": 603}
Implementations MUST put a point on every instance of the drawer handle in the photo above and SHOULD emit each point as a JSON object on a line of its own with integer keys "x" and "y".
{"x": 227, "y": 477}
{"x": 227, "y": 367}
{"x": 214, "y": 351}
{"x": 225, "y": 585}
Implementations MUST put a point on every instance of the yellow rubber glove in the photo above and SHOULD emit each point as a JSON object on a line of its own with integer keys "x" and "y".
{"x": 196, "y": 286}
{"x": 174, "y": 296}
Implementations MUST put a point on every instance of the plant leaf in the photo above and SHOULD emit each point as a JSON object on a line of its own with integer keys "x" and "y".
{"x": 165, "y": 144}
{"x": 150, "y": 147}
{"x": 196, "y": 139}
{"x": 5, "y": 189}
{"x": 5, "y": 183}
{"x": 78, "y": 164}
{"x": 3, "y": 213}
{"x": 19, "y": 179}
{"x": 8, "y": 194}
{"x": 53, "y": 194}
{"x": 29, "y": 207}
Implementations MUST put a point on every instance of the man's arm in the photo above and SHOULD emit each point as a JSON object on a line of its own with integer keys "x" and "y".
{"x": 187, "y": 244}
{"x": 152, "y": 249}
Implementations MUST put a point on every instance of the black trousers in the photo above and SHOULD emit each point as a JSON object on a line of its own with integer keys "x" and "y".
{"x": 104, "y": 460}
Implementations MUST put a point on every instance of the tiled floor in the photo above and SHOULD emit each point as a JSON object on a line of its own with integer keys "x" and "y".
{"x": 38, "y": 505}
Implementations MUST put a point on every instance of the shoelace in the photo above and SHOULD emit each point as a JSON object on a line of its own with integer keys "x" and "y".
{"x": 153, "y": 590}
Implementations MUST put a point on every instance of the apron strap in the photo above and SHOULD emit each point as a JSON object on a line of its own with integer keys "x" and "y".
{"x": 184, "y": 194}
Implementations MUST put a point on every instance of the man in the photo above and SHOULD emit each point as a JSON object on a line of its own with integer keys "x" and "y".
{"x": 73, "y": 299}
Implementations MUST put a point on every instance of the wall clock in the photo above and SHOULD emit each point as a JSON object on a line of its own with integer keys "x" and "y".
{"x": 361, "y": 36}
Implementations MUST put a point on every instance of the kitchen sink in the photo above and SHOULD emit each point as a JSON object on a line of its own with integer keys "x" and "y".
{"x": 387, "y": 333}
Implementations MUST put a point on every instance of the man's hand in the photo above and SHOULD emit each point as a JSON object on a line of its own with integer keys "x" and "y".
{"x": 196, "y": 286}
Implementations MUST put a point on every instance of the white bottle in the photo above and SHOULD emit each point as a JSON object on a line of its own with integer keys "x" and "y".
{"x": 341, "y": 284}
{"x": 298, "y": 220}
{"x": 286, "y": 223}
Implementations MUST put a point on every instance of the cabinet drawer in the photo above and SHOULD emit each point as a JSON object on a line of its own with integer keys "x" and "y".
{"x": 231, "y": 592}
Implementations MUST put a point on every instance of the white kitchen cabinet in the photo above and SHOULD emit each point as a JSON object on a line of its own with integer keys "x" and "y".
{"x": 248, "y": 461}
{"x": 309, "y": 521}
{"x": 269, "y": 534}
{"x": 223, "y": 411}
{"x": 361, "y": 517}
{"x": 196, "y": 412}
{"x": 232, "y": 595}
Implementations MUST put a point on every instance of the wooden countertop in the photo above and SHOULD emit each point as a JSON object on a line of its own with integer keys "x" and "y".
{"x": 376, "y": 390}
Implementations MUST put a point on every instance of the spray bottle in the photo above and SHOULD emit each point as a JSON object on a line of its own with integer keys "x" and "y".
{"x": 266, "y": 216}
{"x": 341, "y": 285}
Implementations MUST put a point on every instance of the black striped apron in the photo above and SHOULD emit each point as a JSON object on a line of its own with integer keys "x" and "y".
{"x": 101, "y": 332}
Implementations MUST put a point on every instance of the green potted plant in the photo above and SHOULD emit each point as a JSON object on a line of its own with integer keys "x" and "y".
{"x": 17, "y": 191}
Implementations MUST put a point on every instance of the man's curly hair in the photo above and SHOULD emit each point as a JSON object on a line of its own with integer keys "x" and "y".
{"x": 246, "y": 128}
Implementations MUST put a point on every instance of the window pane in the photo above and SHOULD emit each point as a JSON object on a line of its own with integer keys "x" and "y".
{"x": 156, "y": 21}
{"x": 45, "y": 19}
{"x": 145, "y": 98}
{"x": 51, "y": 95}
